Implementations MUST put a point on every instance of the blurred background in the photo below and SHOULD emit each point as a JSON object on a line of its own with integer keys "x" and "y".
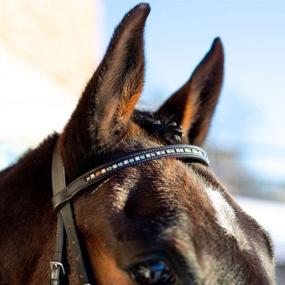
{"x": 48, "y": 51}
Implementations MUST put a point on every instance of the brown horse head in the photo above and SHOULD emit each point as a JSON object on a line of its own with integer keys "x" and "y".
{"x": 164, "y": 221}
{"x": 163, "y": 212}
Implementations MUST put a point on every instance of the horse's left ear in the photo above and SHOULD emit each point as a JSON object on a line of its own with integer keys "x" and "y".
{"x": 103, "y": 114}
{"x": 193, "y": 105}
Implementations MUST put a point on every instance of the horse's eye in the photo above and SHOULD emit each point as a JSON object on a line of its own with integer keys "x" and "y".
{"x": 153, "y": 272}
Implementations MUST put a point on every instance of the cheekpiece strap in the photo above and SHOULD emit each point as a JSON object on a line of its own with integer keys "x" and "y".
{"x": 65, "y": 226}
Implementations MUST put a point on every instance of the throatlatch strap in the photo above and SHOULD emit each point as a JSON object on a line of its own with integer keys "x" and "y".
{"x": 65, "y": 217}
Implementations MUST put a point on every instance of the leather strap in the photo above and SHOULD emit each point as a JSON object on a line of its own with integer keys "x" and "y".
{"x": 65, "y": 217}
{"x": 57, "y": 268}
{"x": 71, "y": 233}
{"x": 188, "y": 153}
{"x": 58, "y": 182}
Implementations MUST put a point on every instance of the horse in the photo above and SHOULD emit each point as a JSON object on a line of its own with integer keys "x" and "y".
{"x": 160, "y": 217}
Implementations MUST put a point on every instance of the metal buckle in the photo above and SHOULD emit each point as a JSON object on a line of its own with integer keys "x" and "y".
{"x": 55, "y": 265}
{"x": 55, "y": 269}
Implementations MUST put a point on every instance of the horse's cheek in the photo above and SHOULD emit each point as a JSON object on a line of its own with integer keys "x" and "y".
{"x": 106, "y": 269}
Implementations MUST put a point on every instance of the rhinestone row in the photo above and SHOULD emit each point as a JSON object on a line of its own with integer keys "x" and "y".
{"x": 143, "y": 157}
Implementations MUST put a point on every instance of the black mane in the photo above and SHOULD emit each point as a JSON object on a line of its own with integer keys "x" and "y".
{"x": 160, "y": 127}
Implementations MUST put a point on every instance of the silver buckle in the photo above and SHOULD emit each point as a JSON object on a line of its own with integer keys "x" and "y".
{"x": 55, "y": 266}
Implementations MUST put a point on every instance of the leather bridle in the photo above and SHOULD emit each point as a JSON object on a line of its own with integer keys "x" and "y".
{"x": 63, "y": 195}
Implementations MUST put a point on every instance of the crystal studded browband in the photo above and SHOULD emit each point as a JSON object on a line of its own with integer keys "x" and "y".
{"x": 187, "y": 153}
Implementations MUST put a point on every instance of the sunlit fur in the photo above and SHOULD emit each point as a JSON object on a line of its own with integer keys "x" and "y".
{"x": 165, "y": 206}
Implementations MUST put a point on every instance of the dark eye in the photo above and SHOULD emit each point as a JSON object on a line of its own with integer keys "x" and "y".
{"x": 153, "y": 272}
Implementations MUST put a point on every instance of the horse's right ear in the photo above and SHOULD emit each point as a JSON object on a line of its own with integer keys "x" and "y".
{"x": 104, "y": 110}
{"x": 192, "y": 106}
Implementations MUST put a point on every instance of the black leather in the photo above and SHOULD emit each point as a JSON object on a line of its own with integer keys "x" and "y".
{"x": 71, "y": 233}
{"x": 57, "y": 269}
{"x": 194, "y": 154}
{"x": 58, "y": 183}
{"x": 65, "y": 220}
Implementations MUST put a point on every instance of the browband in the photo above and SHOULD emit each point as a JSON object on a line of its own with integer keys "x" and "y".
{"x": 187, "y": 153}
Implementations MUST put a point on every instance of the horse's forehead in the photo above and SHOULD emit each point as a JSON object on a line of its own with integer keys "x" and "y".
{"x": 172, "y": 184}
{"x": 167, "y": 179}
{"x": 170, "y": 188}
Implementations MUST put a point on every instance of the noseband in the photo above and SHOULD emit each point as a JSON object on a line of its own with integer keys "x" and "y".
{"x": 63, "y": 195}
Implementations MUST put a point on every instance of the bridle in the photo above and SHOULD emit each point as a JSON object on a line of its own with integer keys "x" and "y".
{"x": 63, "y": 195}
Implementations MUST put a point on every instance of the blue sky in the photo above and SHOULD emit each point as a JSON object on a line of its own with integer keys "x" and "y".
{"x": 250, "y": 116}
{"x": 251, "y": 113}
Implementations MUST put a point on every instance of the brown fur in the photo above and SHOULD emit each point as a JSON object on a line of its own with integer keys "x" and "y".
{"x": 160, "y": 206}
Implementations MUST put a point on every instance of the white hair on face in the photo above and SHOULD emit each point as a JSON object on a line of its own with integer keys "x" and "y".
{"x": 226, "y": 217}
{"x": 120, "y": 192}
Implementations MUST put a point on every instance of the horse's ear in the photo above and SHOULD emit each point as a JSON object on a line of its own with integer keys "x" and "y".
{"x": 103, "y": 112}
{"x": 192, "y": 106}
